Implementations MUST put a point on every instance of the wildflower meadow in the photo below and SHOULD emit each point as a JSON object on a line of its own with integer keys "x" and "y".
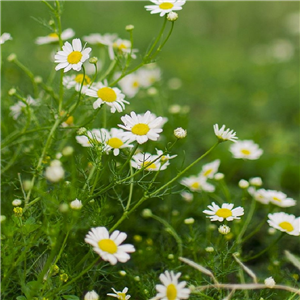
{"x": 150, "y": 150}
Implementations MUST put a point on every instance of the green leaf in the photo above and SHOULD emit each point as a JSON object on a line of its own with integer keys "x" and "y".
{"x": 21, "y": 298}
{"x": 71, "y": 297}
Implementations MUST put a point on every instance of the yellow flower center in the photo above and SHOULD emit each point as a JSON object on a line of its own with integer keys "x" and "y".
{"x": 121, "y": 296}
{"x": 276, "y": 199}
{"x": 224, "y": 213}
{"x": 206, "y": 173}
{"x": 140, "y": 129}
{"x": 245, "y": 151}
{"x": 114, "y": 142}
{"x": 79, "y": 79}
{"x": 122, "y": 46}
{"x": 166, "y": 5}
{"x": 286, "y": 226}
{"x": 107, "y": 245}
{"x": 149, "y": 165}
{"x": 53, "y": 35}
{"x": 107, "y": 94}
{"x": 171, "y": 292}
{"x": 74, "y": 57}
{"x": 135, "y": 84}
{"x": 195, "y": 185}
{"x": 70, "y": 120}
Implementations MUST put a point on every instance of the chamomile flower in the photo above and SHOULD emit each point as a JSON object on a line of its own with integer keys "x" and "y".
{"x": 115, "y": 141}
{"x": 71, "y": 56}
{"x": 124, "y": 47}
{"x": 197, "y": 184}
{"x": 76, "y": 81}
{"x": 16, "y": 109}
{"x": 108, "y": 247}
{"x": 210, "y": 169}
{"x": 53, "y": 37}
{"x": 164, "y": 158}
{"x": 92, "y": 138}
{"x": 280, "y": 199}
{"x": 285, "y": 222}
{"x": 142, "y": 127}
{"x": 226, "y": 212}
{"x": 246, "y": 149}
{"x": 148, "y": 161}
{"x": 5, "y": 37}
{"x": 164, "y": 6}
{"x": 130, "y": 84}
{"x": 148, "y": 75}
{"x": 120, "y": 295}
{"x": 224, "y": 135}
{"x": 112, "y": 97}
{"x": 260, "y": 195}
{"x": 171, "y": 288}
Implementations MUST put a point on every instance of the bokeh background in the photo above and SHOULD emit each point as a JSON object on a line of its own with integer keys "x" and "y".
{"x": 238, "y": 64}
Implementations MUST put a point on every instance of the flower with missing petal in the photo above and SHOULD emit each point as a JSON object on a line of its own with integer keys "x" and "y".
{"x": 246, "y": 149}
{"x": 226, "y": 212}
{"x": 163, "y": 7}
{"x": 120, "y": 295}
{"x": 109, "y": 246}
{"x": 53, "y": 37}
{"x": 285, "y": 223}
{"x": 71, "y": 56}
{"x": 142, "y": 127}
{"x": 171, "y": 288}
{"x": 224, "y": 135}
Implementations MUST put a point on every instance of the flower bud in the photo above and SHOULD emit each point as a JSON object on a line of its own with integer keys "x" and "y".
{"x": 129, "y": 27}
{"x": 81, "y": 131}
{"x": 180, "y": 133}
{"x": 2, "y": 218}
{"x": 93, "y": 60}
{"x": 224, "y": 229}
{"x": 12, "y": 57}
{"x": 209, "y": 249}
{"x": 76, "y": 204}
{"x": 219, "y": 176}
{"x": 172, "y": 16}
{"x": 256, "y": 181}
{"x": 17, "y": 202}
{"x": 12, "y": 92}
{"x": 147, "y": 213}
{"x": 270, "y": 282}
{"x": 54, "y": 172}
{"x": 189, "y": 221}
{"x": 18, "y": 211}
{"x": 38, "y": 79}
{"x": 243, "y": 184}
{"x": 67, "y": 151}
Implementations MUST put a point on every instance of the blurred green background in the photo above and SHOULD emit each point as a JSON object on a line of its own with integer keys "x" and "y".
{"x": 238, "y": 63}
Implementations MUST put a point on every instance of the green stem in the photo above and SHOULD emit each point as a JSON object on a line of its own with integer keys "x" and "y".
{"x": 130, "y": 190}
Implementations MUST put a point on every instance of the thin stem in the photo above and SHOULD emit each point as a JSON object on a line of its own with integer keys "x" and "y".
{"x": 130, "y": 190}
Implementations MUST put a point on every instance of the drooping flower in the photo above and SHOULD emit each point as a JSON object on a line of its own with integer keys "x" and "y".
{"x": 226, "y": 212}
{"x": 71, "y": 56}
{"x": 92, "y": 137}
{"x": 53, "y": 37}
{"x": 224, "y": 135}
{"x": 246, "y": 149}
{"x": 109, "y": 246}
{"x": 164, "y": 6}
{"x": 285, "y": 223}
{"x": 112, "y": 97}
{"x": 120, "y": 295}
{"x": 142, "y": 127}
{"x": 16, "y": 109}
{"x": 210, "y": 169}
{"x": 171, "y": 288}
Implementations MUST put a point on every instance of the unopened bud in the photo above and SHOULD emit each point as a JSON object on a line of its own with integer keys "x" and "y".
{"x": 12, "y": 57}
{"x": 180, "y": 133}
{"x": 129, "y": 27}
{"x": 172, "y": 16}
{"x": 11, "y": 92}
{"x": 93, "y": 60}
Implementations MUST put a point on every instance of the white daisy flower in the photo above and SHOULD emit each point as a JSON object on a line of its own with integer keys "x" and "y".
{"x": 92, "y": 295}
{"x": 115, "y": 141}
{"x": 5, "y": 37}
{"x": 164, "y": 158}
{"x": 142, "y": 127}
{"x": 285, "y": 222}
{"x": 246, "y": 149}
{"x": 224, "y": 135}
{"x": 124, "y": 47}
{"x": 260, "y": 195}
{"x": 76, "y": 81}
{"x": 148, "y": 161}
{"x": 225, "y": 212}
{"x": 53, "y": 37}
{"x": 120, "y": 295}
{"x": 210, "y": 169}
{"x": 112, "y": 97}
{"x": 197, "y": 184}
{"x": 130, "y": 84}
{"x": 72, "y": 56}
{"x": 171, "y": 289}
{"x": 16, "y": 109}
{"x": 108, "y": 247}
{"x": 148, "y": 76}
{"x": 93, "y": 137}
{"x": 280, "y": 199}
{"x": 164, "y": 6}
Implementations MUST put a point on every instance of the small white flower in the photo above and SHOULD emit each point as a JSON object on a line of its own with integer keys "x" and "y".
{"x": 91, "y": 296}
{"x": 270, "y": 282}
{"x": 148, "y": 161}
{"x": 224, "y": 135}
{"x": 142, "y": 127}
{"x": 92, "y": 137}
{"x": 76, "y": 204}
{"x": 17, "y": 202}
{"x": 280, "y": 199}
{"x": 285, "y": 223}
{"x": 224, "y": 229}
{"x": 256, "y": 181}
{"x": 124, "y": 47}
{"x": 164, "y": 158}
{"x": 130, "y": 84}
{"x": 219, "y": 176}
{"x": 55, "y": 171}
{"x": 243, "y": 184}
{"x": 120, "y": 295}
{"x": 108, "y": 246}
{"x": 189, "y": 221}
{"x": 260, "y": 195}
{"x": 246, "y": 149}
{"x": 188, "y": 197}
{"x": 197, "y": 184}
{"x": 226, "y": 212}
{"x": 209, "y": 170}
{"x": 112, "y": 97}
{"x": 171, "y": 289}
{"x": 5, "y": 37}
{"x": 16, "y": 109}
{"x": 180, "y": 133}
{"x": 76, "y": 81}
{"x": 53, "y": 37}
{"x": 72, "y": 56}
{"x": 164, "y": 6}
{"x": 149, "y": 75}
{"x": 172, "y": 16}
